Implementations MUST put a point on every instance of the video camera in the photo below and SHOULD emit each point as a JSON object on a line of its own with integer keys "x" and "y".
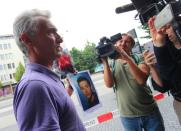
{"x": 106, "y": 47}
{"x": 149, "y": 8}
{"x": 166, "y": 11}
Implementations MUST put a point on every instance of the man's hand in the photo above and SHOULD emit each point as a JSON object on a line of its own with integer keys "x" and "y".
{"x": 69, "y": 87}
{"x": 123, "y": 54}
{"x": 149, "y": 58}
{"x": 104, "y": 61}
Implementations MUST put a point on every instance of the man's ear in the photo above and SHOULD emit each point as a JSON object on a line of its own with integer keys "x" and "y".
{"x": 25, "y": 38}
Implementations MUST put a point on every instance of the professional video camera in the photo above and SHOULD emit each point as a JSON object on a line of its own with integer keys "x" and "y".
{"x": 106, "y": 47}
{"x": 149, "y": 8}
{"x": 166, "y": 11}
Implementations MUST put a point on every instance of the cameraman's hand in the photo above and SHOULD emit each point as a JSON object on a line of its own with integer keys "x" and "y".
{"x": 123, "y": 54}
{"x": 104, "y": 60}
{"x": 158, "y": 36}
{"x": 149, "y": 58}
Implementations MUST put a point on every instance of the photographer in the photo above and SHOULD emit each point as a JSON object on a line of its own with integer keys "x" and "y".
{"x": 167, "y": 50}
{"x": 136, "y": 105}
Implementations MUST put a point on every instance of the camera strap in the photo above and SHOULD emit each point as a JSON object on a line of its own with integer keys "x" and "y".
{"x": 113, "y": 72}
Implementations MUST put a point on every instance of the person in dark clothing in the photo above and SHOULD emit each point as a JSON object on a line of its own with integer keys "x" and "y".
{"x": 167, "y": 49}
{"x": 85, "y": 87}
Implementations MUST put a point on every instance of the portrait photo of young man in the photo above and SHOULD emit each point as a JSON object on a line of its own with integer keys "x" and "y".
{"x": 85, "y": 90}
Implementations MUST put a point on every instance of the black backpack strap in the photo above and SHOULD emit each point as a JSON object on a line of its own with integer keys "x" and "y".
{"x": 113, "y": 72}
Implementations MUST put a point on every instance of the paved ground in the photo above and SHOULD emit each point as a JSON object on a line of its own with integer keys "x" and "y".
{"x": 165, "y": 106}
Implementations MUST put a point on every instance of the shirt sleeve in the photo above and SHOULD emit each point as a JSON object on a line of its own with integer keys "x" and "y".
{"x": 167, "y": 60}
{"x": 36, "y": 110}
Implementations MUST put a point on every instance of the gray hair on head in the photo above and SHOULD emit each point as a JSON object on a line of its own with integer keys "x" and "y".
{"x": 27, "y": 23}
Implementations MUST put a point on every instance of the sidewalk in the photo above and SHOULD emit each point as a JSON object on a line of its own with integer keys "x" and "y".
{"x": 9, "y": 96}
{"x": 170, "y": 120}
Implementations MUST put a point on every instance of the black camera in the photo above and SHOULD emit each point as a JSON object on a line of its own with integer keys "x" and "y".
{"x": 166, "y": 11}
{"x": 106, "y": 47}
{"x": 149, "y": 8}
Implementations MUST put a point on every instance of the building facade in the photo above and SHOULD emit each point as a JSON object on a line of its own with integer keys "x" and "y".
{"x": 10, "y": 57}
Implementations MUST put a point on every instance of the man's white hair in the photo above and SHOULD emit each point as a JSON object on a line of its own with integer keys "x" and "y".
{"x": 27, "y": 23}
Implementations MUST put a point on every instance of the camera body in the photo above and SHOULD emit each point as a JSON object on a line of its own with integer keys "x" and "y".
{"x": 106, "y": 47}
{"x": 166, "y": 11}
{"x": 150, "y": 11}
{"x": 149, "y": 8}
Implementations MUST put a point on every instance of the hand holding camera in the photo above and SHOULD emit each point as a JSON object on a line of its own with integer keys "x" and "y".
{"x": 158, "y": 37}
{"x": 122, "y": 54}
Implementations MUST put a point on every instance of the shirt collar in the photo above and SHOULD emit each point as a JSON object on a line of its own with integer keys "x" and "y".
{"x": 42, "y": 69}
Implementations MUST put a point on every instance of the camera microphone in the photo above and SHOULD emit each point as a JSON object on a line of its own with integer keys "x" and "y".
{"x": 125, "y": 8}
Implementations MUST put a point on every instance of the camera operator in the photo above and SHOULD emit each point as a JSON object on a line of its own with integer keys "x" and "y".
{"x": 167, "y": 49}
{"x": 136, "y": 105}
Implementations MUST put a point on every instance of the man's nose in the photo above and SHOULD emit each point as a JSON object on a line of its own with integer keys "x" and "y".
{"x": 59, "y": 38}
{"x": 123, "y": 43}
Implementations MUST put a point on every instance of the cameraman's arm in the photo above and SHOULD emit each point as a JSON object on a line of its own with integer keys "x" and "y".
{"x": 139, "y": 72}
{"x": 108, "y": 78}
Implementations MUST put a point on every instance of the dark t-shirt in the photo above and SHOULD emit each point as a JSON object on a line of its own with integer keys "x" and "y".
{"x": 42, "y": 104}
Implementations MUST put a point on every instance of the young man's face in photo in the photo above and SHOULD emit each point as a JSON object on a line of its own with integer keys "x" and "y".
{"x": 85, "y": 88}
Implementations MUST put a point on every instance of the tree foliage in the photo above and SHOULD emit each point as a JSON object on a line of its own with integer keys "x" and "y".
{"x": 1, "y": 84}
{"x": 147, "y": 31}
{"x": 19, "y": 72}
{"x": 84, "y": 59}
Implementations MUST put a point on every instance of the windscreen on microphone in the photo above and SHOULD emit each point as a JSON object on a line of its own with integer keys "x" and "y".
{"x": 125, "y": 8}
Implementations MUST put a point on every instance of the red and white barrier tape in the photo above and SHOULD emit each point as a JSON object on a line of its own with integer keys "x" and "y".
{"x": 114, "y": 114}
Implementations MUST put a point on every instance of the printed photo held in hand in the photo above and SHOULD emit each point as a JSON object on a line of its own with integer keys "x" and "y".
{"x": 85, "y": 90}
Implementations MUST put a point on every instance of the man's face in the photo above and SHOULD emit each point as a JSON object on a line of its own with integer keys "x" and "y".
{"x": 46, "y": 44}
{"x": 125, "y": 43}
{"x": 85, "y": 88}
{"x": 170, "y": 32}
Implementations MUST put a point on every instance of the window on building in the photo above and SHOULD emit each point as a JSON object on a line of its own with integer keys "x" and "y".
{"x": 1, "y": 67}
{"x": 10, "y": 76}
{"x": 10, "y": 55}
{"x": 1, "y": 46}
{"x": 5, "y": 46}
{"x": 5, "y": 67}
{"x": 9, "y": 66}
{"x": 2, "y": 57}
{"x": 7, "y": 77}
{"x": 13, "y": 65}
{"x": 9, "y": 45}
{"x": 6, "y": 56}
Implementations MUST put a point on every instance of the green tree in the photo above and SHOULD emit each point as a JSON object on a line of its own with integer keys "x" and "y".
{"x": 89, "y": 55}
{"x": 84, "y": 59}
{"x": 19, "y": 72}
{"x": 147, "y": 31}
{"x": 1, "y": 84}
{"x": 76, "y": 56}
